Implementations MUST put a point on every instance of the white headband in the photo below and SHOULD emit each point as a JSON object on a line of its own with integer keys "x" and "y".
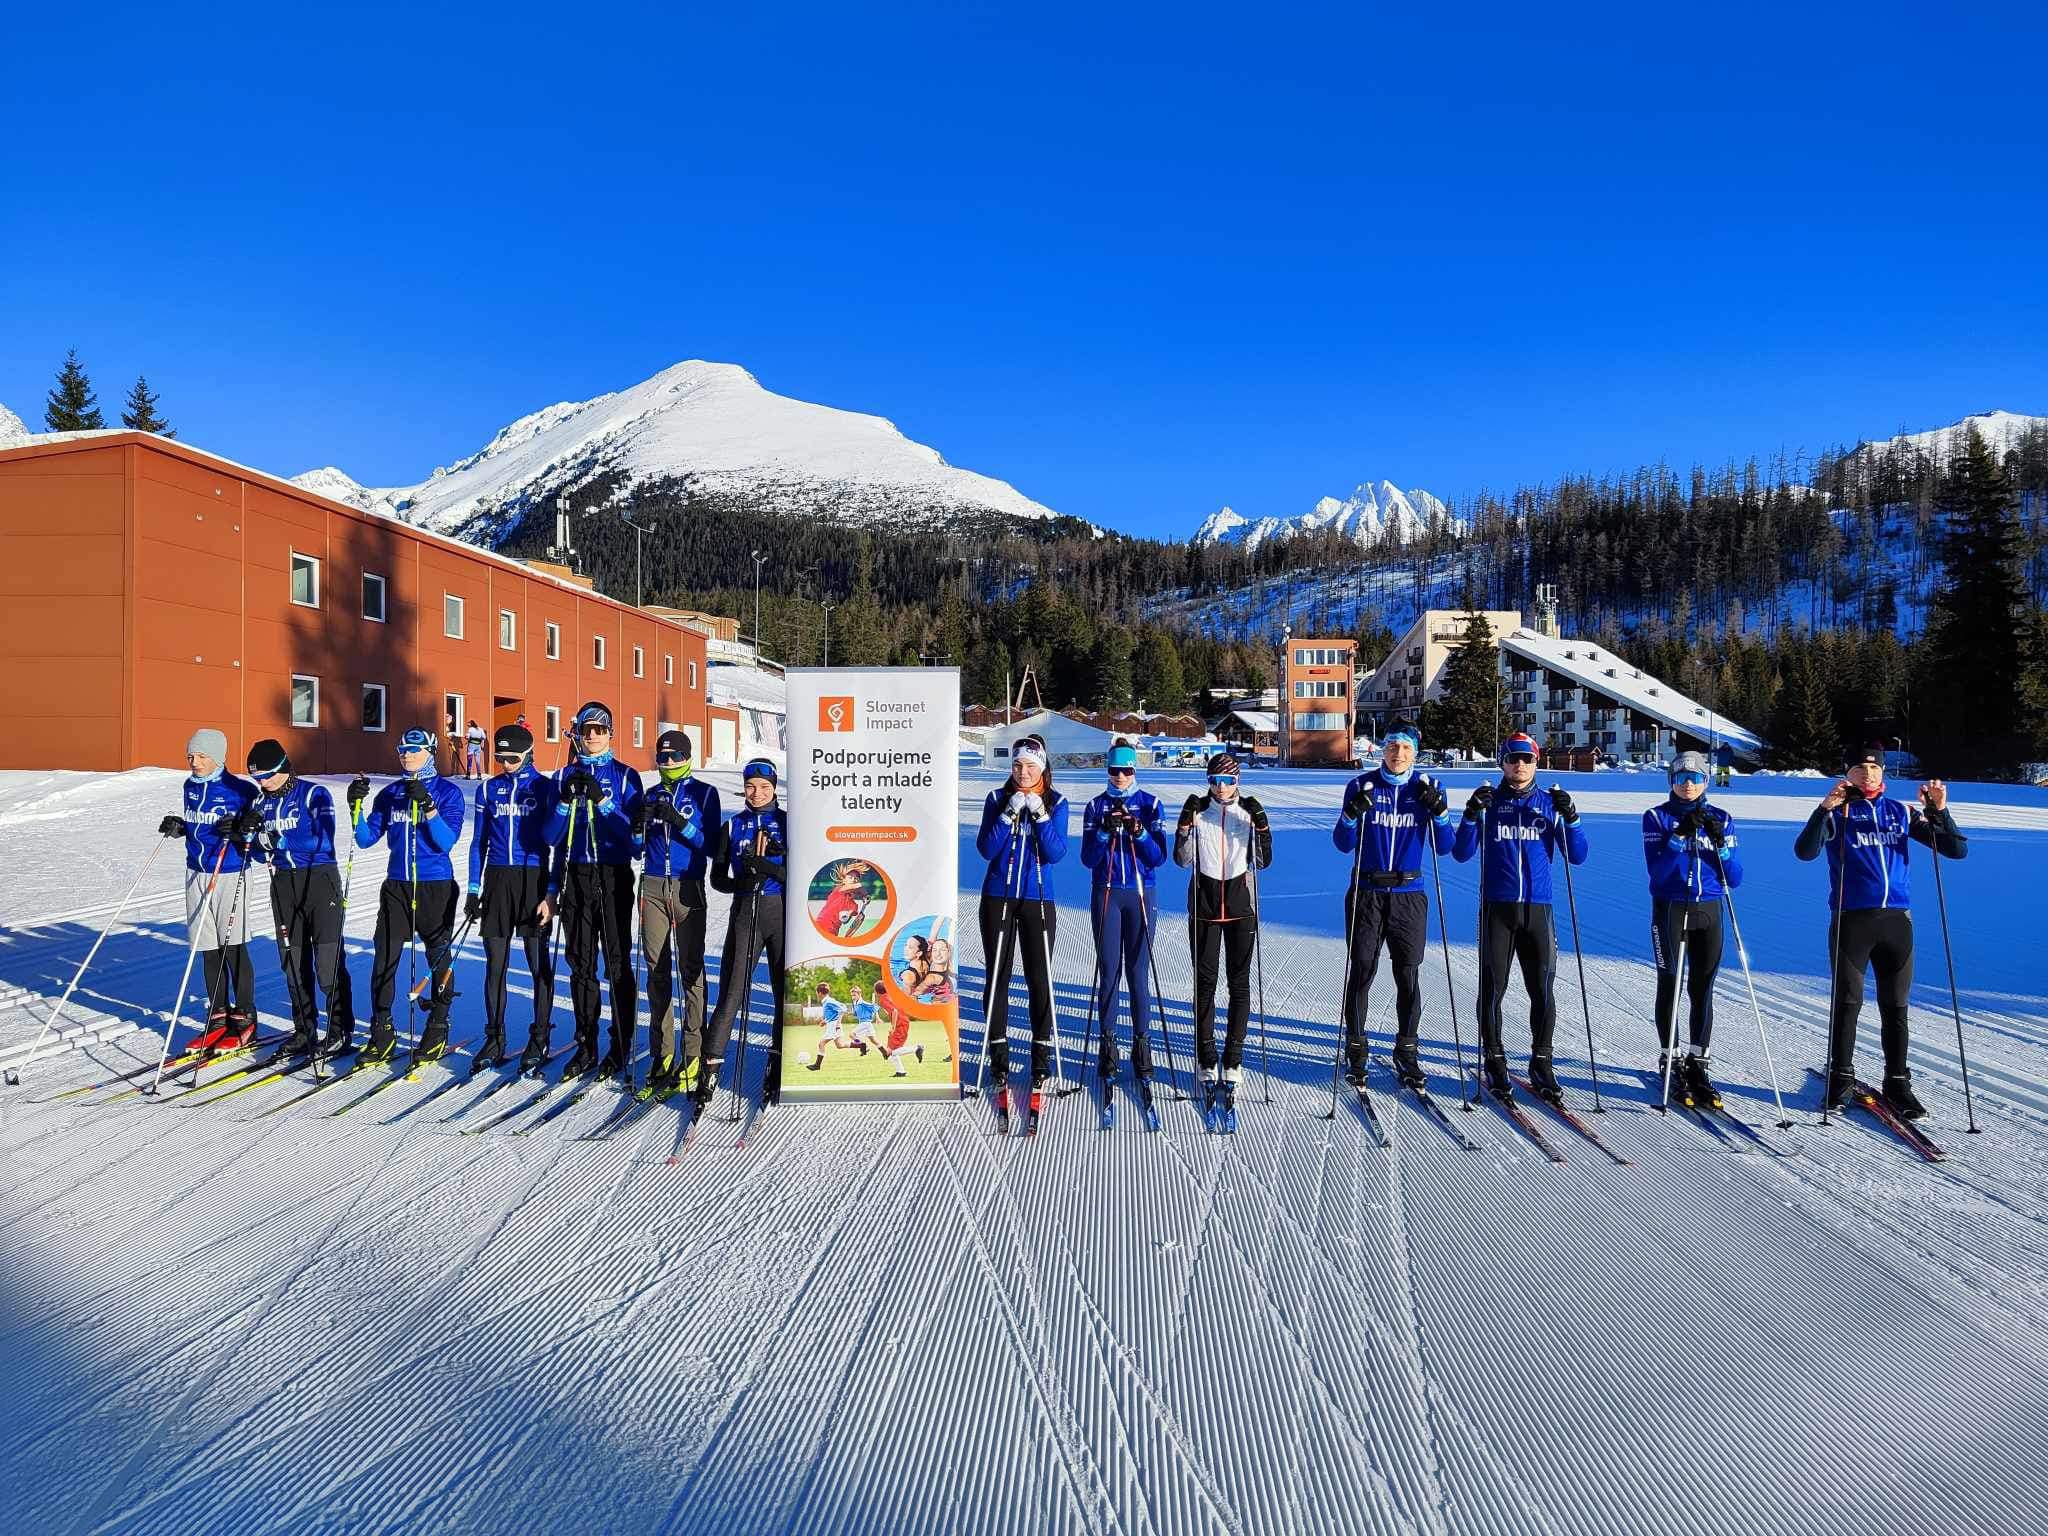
{"x": 1028, "y": 754}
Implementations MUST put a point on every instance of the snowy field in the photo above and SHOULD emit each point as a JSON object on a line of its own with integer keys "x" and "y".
{"x": 218, "y": 1319}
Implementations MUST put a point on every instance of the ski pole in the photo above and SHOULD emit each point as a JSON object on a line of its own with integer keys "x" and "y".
{"x": 191, "y": 954}
{"x": 1344, "y": 993}
{"x": 412, "y": 939}
{"x": 739, "y": 1076}
{"x": 1061, "y": 1088}
{"x": 1251, "y": 864}
{"x": 1098, "y": 1011}
{"x": 1444, "y": 934}
{"x": 1678, "y": 932}
{"x": 440, "y": 978}
{"x": 1835, "y": 956}
{"x": 14, "y": 1073}
{"x": 1005, "y": 956}
{"x": 1146, "y": 927}
{"x": 1571, "y": 899}
{"x": 1954, "y": 998}
{"x": 1735, "y": 927}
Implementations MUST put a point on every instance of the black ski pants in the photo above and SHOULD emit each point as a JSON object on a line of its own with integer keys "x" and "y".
{"x": 753, "y": 928}
{"x": 597, "y": 912}
{"x": 1523, "y": 932}
{"x": 1397, "y": 921}
{"x": 1008, "y": 929}
{"x": 306, "y": 907}
{"x": 1699, "y": 924}
{"x": 1878, "y": 939}
{"x": 1231, "y": 941}
{"x": 230, "y": 979}
{"x": 512, "y": 896}
{"x": 397, "y": 922}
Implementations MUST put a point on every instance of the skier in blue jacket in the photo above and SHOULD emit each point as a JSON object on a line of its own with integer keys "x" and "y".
{"x": 218, "y": 825}
{"x": 1122, "y": 843}
{"x": 297, "y": 840}
{"x": 749, "y": 862}
{"x": 597, "y": 891}
{"x": 1023, "y": 833}
{"x": 1869, "y": 840}
{"x": 678, "y": 825}
{"x": 1504, "y": 824}
{"x": 1391, "y": 818}
{"x": 1689, "y": 847}
{"x": 418, "y": 816}
{"x": 515, "y": 882}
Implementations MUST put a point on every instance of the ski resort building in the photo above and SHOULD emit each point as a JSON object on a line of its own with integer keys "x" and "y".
{"x": 1413, "y": 670}
{"x": 1319, "y": 686}
{"x": 152, "y": 588}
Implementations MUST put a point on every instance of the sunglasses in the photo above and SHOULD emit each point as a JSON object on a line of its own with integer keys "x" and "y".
{"x": 1521, "y": 757}
{"x": 511, "y": 759}
{"x": 1122, "y": 773}
{"x": 670, "y": 757}
{"x": 1225, "y": 779}
{"x": 1688, "y": 777}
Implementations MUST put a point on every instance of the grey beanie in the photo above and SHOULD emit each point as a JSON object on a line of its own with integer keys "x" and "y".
{"x": 208, "y": 742}
{"x": 1689, "y": 762}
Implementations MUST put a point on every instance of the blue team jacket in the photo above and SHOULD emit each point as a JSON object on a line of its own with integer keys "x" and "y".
{"x": 604, "y": 826}
{"x": 682, "y": 855}
{"x": 1510, "y": 827}
{"x": 298, "y": 826}
{"x": 1017, "y": 862}
{"x": 429, "y": 840}
{"x": 1122, "y": 863}
{"x": 1877, "y": 834}
{"x": 736, "y": 837}
{"x": 1698, "y": 872}
{"x": 206, "y": 801}
{"x": 513, "y": 814}
{"x": 1394, "y": 838}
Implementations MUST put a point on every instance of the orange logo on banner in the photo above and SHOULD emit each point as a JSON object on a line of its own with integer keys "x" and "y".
{"x": 835, "y": 714}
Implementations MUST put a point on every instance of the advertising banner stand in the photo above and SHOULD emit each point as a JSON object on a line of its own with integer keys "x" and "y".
{"x": 872, "y": 1003}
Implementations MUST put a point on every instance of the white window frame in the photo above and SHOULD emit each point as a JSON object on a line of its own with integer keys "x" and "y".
{"x": 693, "y": 674}
{"x": 291, "y": 578}
{"x": 292, "y": 707}
{"x": 383, "y": 613}
{"x": 508, "y": 630}
{"x": 639, "y": 665}
{"x": 551, "y": 723}
{"x": 460, "y": 715}
{"x": 554, "y": 643}
{"x": 460, "y": 613}
{"x": 639, "y": 731}
{"x": 668, "y": 669}
{"x": 597, "y": 652}
{"x": 383, "y": 694}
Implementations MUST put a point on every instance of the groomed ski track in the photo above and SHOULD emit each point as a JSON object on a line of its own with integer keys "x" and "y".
{"x": 885, "y": 1318}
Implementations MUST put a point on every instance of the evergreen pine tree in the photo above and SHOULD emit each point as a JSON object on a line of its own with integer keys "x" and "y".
{"x": 1156, "y": 675}
{"x": 140, "y": 414}
{"x": 1803, "y": 733}
{"x": 1974, "y": 659}
{"x": 72, "y": 406}
{"x": 1112, "y": 681}
{"x": 1471, "y": 690}
{"x": 860, "y": 638}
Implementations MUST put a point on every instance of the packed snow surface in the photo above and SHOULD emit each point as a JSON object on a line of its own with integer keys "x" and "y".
{"x": 712, "y": 422}
{"x": 252, "y": 1316}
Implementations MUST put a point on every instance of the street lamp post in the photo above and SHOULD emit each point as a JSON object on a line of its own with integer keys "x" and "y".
{"x": 639, "y": 586}
{"x": 759, "y": 561}
{"x": 828, "y": 607}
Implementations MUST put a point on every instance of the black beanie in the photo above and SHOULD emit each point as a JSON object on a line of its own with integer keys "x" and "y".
{"x": 268, "y": 757}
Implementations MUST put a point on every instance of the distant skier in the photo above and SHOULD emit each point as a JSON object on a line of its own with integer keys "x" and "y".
{"x": 597, "y": 891}
{"x": 749, "y": 862}
{"x": 680, "y": 824}
{"x": 1390, "y": 818}
{"x": 1122, "y": 843}
{"x": 1023, "y": 833}
{"x": 514, "y": 890}
{"x": 419, "y": 817}
{"x": 218, "y": 826}
{"x": 306, "y": 898}
{"x": 1689, "y": 847}
{"x": 1724, "y": 764}
{"x": 1516, "y": 924}
{"x": 473, "y": 751}
{"x": 1870, "y": 897}
{"x": 1220, "y": 840}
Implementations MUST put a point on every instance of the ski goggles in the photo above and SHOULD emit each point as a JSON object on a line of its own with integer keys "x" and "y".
{"x": 511, "y": 759}
{"x": 415, "y": 741}
{"x": 1687, "y": 776}
{"x": 1520, "y": 757}
{"x": 1223, "y": 780}
{"x": 1118, "y": 771}
{"x": 670, "y": 758}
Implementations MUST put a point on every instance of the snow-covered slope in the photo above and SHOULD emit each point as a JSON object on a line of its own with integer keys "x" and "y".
{"x": 1999, "y": 429}
{"x": 712, "y": 423}
{"x": 12, "y": 433}
{"x": 1369, "y": 514}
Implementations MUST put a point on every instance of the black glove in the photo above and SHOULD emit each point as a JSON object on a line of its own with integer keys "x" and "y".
{"x": 1355, "y": 801}
{"x": 638, "y": 823}
{"x": 1256, "y": 811}
{"x": 473, "y": 906}
{"x": 358, "y": 792}
{"x": 1561, "y": 802}
{"x": 581, "y": 784}
{"x": 760, "y": 867}
{"x": 1430, "y": 796}
{"x": 664, "y": 810}
{"x": 248, "y": 823}
{"x": 1190, "y": 809}
{"x": 171, "y": 826}
{"x": 419, "y": 796}
{"x": 1689, "y": 822}
{"x": 1480, "y": 799}
{"x": 1716, "y": 830}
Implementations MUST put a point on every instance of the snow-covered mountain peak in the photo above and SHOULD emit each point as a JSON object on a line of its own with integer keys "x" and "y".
{"x": 1372, "y": 512}
{"x": 2001, "y": 430}
{"x": 12, "y": 433}
{"x": 711, "y": 423}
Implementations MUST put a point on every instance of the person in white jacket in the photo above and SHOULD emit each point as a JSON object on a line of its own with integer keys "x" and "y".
{"x": 1221, "y": 839}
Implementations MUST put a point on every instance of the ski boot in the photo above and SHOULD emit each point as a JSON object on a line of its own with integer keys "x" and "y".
{"x": 1145, "y": 1104}
{"x": 214, "y": 1037}
{"x": 663, "y": 1079}
{"x": 1544, "y": 1080}
{"x": 303, "y": 1041}
{"x": 1699, "y": 1088}
{"x": 488, "y": 1055}
{"x": 1898, "y": 1092}
{"x": 1494, "y": 1074}
{"x": 1001, "y": 1105}
{"x": 1841, "y": 1092}
{"x": 1407, "y": 1068}
{"x": 1211, "y": 1089}
{"x": 241, "y": 1028}
{"x": 336, "y": 1042}
{"x": 771, "y": 1080}
{"x": 1226, "y": 1108}
{"x": 433, "y": 1043}
{"x": 1033, "y": 1107}
{"x": 1108, "y": 1102}
{"x": 383, "y": 1043}
{"x": 581, "y": 1063}
{"x": 534, "y": 1058}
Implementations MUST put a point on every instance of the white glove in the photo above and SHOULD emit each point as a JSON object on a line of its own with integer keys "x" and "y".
{"x": 1019, "y": 803}
{"x": 1036, "y": 805}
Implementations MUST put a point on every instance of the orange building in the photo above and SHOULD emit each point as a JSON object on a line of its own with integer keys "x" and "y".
{"x": 1318, "y": 699}
{"x": 151, "y": 589}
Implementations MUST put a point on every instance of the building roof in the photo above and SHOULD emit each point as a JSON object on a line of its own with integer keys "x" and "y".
{"x": 1586, "y": 665}
{"x": 1258, "y": 719}
{"x": 1063, "y": 736}
{"x": 747, "y": 688}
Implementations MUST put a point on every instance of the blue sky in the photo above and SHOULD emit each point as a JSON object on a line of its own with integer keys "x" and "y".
{"x": 1141, "y": 262}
